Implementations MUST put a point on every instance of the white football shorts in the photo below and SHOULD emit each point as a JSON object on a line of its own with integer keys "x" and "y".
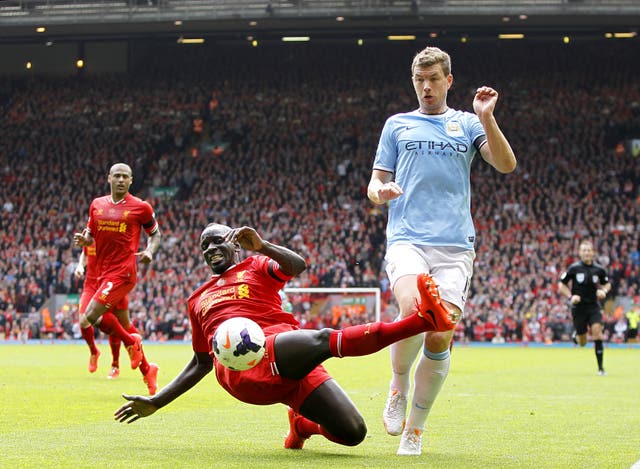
{"x": 450, "y": 267}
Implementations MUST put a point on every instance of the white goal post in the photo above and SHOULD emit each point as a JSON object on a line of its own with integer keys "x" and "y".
{"x": 366, "y": 299}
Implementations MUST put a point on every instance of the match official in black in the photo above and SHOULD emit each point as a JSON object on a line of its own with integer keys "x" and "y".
{"x": 589, "y": 285}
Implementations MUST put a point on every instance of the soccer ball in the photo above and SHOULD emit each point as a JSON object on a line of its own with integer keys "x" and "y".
{"x": 238, "y": 343}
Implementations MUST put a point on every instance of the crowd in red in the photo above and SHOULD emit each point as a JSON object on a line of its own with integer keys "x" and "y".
{"x": 284, "y": 139}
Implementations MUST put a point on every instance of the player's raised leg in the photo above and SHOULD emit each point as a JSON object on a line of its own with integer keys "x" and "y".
{"x": 111, "y": 325}
{"x": 298, "y": 352}
{"x": 148, "y": 370}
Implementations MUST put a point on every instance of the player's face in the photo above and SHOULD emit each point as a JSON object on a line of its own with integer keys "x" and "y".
{"x": 120, "y": 180}
{"x": 431, "y": 86}
{"x": 219, "y": 252}
{"x": 586, "y": 253}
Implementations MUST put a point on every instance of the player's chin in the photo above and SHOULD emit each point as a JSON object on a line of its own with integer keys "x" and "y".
{"x": 218, "y": 267}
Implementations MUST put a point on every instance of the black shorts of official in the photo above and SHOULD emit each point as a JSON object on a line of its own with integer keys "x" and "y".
{"x": 632, "y": 334}
{"x": 585, "y": 316}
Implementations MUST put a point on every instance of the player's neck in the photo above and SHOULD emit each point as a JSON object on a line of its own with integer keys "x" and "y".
{"x": 438, "y": 113}
{"x": 220, "y": 274}
{"x": 116, "y": 199}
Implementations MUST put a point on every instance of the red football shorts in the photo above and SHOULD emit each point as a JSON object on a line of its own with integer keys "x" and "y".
{"x": 262, "y": 385}
{"x": 114, "y": 292}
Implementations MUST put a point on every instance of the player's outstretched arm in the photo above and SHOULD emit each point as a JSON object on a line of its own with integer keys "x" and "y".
{"x": 142, "y": 406}
{"x": 136, "y": 407}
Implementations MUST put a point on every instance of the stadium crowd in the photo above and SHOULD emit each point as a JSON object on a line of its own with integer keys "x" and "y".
{"x": 283, "y": 140}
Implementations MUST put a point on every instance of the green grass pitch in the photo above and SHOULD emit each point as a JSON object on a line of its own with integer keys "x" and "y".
{"x": 516, "y": 407}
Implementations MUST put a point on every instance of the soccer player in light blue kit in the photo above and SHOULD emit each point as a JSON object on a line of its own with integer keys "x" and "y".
{"x": 422, "y": 169}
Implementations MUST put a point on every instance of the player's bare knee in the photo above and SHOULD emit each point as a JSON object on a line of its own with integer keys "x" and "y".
{"x": 354, "y": 432}
{"x": 437, "y": 342}
{"x": 93, "y": 318}
{"x": 92, "y": 315}
{"x": 323, "y": 335}
{"x": 408, "y": 306}
{"x": 84, "y": 322}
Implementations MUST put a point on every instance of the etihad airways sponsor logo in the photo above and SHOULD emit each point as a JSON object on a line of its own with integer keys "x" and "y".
{"x": 430, "y": 145}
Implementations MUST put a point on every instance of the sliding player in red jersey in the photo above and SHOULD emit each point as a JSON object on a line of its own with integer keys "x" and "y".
{"x": 291, "y": 370}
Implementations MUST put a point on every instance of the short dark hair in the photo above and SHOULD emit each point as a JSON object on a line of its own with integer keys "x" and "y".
{"x": 431, "y": 56}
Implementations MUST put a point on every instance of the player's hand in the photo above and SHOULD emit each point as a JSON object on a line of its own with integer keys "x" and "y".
{"x": 389, "y": 191}
{"x": 136, "y": 407}
{"x": 575, "y": 299}
{"x": 485, "y": 101}
{"x": 79, "y": 272}
{"x": 246, "y": 237}
{"x": 82, "y": 239}
{"x": 145, "y": 256}
{"x": 601, "y": 294}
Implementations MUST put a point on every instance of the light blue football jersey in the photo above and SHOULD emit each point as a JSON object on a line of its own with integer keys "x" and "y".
{"x": 431, "y": 158}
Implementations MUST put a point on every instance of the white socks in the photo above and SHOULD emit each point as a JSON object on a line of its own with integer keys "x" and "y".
{"x": 403, "y": 354}
{"x": 430, "y": 375}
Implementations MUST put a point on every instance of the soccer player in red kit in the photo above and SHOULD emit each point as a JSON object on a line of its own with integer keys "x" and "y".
{"x": 115, "y": 224}
{"x": 87, "y": 268}
{"x": 291, "y": 371}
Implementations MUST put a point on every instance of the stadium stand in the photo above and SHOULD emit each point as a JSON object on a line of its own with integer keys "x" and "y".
{"x": 283, "y": 139}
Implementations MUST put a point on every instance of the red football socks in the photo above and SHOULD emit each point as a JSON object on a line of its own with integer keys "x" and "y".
{"x": 365, "y": 339}
{"x": 114, "y": 343}
{"x": 110, "y": 325}
{"x": 89, "y": 336}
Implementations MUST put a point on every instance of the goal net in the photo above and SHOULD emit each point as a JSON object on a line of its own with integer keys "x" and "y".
{"x": 316, "y": 308}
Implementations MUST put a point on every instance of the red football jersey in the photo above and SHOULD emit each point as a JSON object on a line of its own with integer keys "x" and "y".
{"x": 249, "y": 289}
{"x": 116, "y": 229}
